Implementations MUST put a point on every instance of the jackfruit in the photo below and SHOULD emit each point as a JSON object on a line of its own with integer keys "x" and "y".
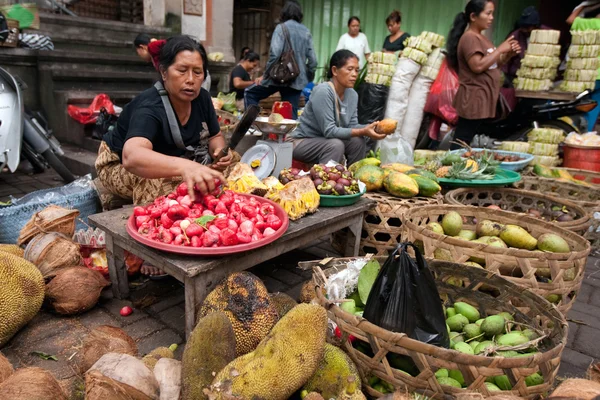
{"x": 297, "y": 198}
{"x": 283, "y": 361}
{"x": 209, "y": 349}
{"x": 307, "y": 292}
{"x": 283, "y": 303}
{"x": 246, "y": 302}
{"x": 21, "y": 296}
{"x": 152, "y": 358}
{"x": 336, "y": 375}
{"x": 12, "y": 249}
{"x": 313, "y": 396}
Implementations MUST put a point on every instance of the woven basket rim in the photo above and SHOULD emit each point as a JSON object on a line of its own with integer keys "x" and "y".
{"x": 449, "y": 354}
{"x": 513, "y": 217}
{"x": 450, "y": 198}
{"x": 571, "y": 185}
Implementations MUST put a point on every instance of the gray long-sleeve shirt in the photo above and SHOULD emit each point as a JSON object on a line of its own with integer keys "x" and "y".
{"x": 319, "y": 116}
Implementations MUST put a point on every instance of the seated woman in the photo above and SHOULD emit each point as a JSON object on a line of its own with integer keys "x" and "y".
{"x": 141, "y": 159}
{"x": 329, "y": 128}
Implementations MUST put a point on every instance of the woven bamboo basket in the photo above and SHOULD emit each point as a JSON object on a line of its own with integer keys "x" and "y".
{"x": 382, "y": 227}
{"x": 591, "y": 177}
{"x": 545, "y": 273}
{"x": 527, "y": 308}
{"x": 520, "y": 201}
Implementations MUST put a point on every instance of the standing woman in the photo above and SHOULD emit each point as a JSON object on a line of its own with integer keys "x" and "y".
{"x": 355, "y": 41}
{"x": 395, "y": 40}
{"x": 476, "y": 60}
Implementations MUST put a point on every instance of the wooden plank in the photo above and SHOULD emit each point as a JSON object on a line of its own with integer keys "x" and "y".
{"x": 545, "y": 95}
{"x": 117, "y": 269}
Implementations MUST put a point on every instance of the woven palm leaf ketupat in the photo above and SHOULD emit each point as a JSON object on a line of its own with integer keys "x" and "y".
{"x": 522, "y": 267}
{"x": 50, "y": 219}
{"x": 521, "y": 201}
{"x": 527, "y": 308}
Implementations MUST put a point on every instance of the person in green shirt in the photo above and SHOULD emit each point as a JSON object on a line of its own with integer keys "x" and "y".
{"x": 584, "y": 24}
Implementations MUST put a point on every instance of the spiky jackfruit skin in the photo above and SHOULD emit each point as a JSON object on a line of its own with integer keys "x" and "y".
{"x": 245, "y": 300}
{"x": 21, "y": 296}
{"x": 313, "y": 396}
{"x": 307, "y": 292}
{"x": 282, "y": 362}
{"x": 335, "y": 376}
{"x": 12, "y": 249}
{"x": 152, "y": 358}
{"x": 210, "y": 347}
{"x": 283, "y": 303}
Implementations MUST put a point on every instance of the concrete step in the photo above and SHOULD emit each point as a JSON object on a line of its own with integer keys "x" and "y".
{"x": 62, "y": 58}
{"x": 79, "y": 161}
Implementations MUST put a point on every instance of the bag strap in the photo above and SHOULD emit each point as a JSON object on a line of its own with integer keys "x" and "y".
{"x": 337, "y": 105}
{"x": 286, "y": 35}
{"x": 175, "y": 132}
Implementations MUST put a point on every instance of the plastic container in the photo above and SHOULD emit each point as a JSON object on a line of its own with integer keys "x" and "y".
{"x": 339, "y": 201}
{"x": 581, "y": 157}
{"x": 511, "y": 166}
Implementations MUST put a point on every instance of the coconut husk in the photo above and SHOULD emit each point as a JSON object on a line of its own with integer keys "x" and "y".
{"x": 6, "y": 368}
{"x": 51, "y": 252}
{"x": 32, "y": 384}
{"x": 105, "y": 339}
{"x": 593, "y": 372}
{"x": 579, "y": 389}
{"x": 50, "y": 219}
{"x": 168, "y": 375}
{"x": 74, "y": 290}
{"x": 120, "y": 374}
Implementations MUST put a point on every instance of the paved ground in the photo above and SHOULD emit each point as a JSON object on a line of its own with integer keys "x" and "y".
{"x": 158, "y": 319}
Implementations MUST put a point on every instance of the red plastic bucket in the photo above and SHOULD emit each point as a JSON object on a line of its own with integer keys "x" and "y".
{"x": 581, "y": 157}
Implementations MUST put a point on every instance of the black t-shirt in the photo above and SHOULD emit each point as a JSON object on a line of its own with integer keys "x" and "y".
{"x": 239, "y": 72}
{"x": 145, "y": 116}
{"x": 396, "y": 45}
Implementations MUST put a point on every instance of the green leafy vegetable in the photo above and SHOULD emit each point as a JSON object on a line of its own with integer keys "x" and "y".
{"x": 204, "y": 220}
{"x": 44, "y": 356}
{"x": 366, "y": 279}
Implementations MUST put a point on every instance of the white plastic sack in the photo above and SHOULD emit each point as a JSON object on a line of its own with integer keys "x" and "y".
{"x": 397, "y": 103}
{"x": 416, "y": 104}
{"x": 395, "y": 149}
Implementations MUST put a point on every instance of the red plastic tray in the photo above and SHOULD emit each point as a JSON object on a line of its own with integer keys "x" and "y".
{"x": 214, "y": 251}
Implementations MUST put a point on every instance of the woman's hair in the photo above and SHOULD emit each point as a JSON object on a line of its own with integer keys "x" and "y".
{"x": 245, "y": 50}
{"x": 176, "y": 45}
{"x": 338, "y": 60}
{"x": 142, "y": 38}
{"x": 251, "y": 56}
{"x": 291, "y": 10}
{"x": 461, "y": 21}
{"x": 353, "y": 18}
{"x": 395, "y": 16}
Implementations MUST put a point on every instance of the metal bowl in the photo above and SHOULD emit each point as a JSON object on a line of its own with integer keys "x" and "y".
{"x": 281, "y": 128}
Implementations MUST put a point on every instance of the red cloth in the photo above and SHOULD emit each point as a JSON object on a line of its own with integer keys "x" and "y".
{"x": 154, "y": 50}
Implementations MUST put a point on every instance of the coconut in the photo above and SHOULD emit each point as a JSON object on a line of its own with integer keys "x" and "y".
{"x": 168, "y": 374}
{"x": 580, "y": 389}
{"x": 6, "y": 368}
{"x": 74, "y": 290}
{"x": 120, "y": 376}
{"x": 105, "y": 339}
{"x": 51, "y": 252}
{"x": 32, "y": 384}
{"x": 50, "y": 219}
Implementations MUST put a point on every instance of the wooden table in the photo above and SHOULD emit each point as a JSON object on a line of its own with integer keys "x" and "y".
{"x": 201, "y": 274}
{"x": 546, "y": 95}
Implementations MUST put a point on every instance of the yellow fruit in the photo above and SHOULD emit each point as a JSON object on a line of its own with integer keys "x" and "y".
{"x": 12, "y": 249}
{"x": 335, "y": 375}
{"x": 152, "y": 358}
{"x": 297, "y": 198}
{"x": 371, "y": 176}
{"x": 210, "y": 347}
{"x": 246, "y": 302}
{"x": 282, "y": 362}
{"x": 472, "y": 164}
{"x": 283, "y": 303}
{"x": 398, "y": 167}
{"x": 21, "y": 295}
{"x": 442, "y": 172}
{"x": 387, "y": 126}
{"x": 401, "y": 185}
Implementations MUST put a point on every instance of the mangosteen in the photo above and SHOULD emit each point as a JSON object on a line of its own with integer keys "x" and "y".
{"x": 334, "y": 176}
{"x": 284, "y": 180}
{"x": 295, "y": 171}
{"x": 318, "y": 181}
{"x": 557, "y": 213}
{"x": 327, "y": 169}
{"x": 331, "y": 183}
{"x": 344, "y": 182}
{"x": 340, "y": 189}
{"x": 340, "y": 167}
{"x": 565, "y": 218}
{"x": 534, "y": 212}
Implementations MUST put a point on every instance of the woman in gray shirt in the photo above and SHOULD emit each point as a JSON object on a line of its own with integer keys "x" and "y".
{"x": 329, "y": 128}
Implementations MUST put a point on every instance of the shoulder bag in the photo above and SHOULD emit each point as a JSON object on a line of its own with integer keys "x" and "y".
{"x": 285, "y": 70}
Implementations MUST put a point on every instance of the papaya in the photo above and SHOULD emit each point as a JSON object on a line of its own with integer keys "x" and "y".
{"x": 427, "y": 187}
{"x": 386, "y": 172}
{"x": 365, "y": 161}
{"x": 371, "y": 176}
{"x": 398, "y": 167}
{"x": 401, "y": 185}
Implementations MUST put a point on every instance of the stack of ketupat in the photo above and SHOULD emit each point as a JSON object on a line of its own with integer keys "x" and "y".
{"x": 543, "y": 144}
{"x": 538, "y": 68}
{"x": 431, "y": 68}
{"x": 417, "y": 48}
{"x": 381, "y": 68}
{"x": 521, "y": 147}
{"x": 582, "y": 67}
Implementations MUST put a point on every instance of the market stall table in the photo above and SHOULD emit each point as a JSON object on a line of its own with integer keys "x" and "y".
{"x": 201, "y": 274}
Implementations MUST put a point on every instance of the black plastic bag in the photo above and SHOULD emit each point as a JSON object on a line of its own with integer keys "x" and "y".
{"x": 404, "y": 298}
{"x": 371, "y": 102}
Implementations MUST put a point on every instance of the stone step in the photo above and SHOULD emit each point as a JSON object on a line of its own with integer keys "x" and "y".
{"x": 79, "y": 161}
{"x": 62, "y": 58}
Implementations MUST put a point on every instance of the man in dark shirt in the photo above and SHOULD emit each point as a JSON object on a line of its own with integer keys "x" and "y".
{"x": 240, "y": 77}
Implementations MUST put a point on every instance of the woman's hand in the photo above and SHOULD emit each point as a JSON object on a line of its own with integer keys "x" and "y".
{"x": 369, "y": 131}
{"x": 201, "y": 177}
{"x": 508, "y": 45}
{"x": 223, "y": 162}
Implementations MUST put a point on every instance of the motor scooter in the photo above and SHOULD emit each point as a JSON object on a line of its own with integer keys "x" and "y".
{"x": 22, "y": 133}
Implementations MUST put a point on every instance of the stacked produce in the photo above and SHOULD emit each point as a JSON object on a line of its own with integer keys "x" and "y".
{"x": 432, "y": 66}
{"x": 538, "y": 67}
{"x": 417, "y": 48}
{"x": 543, "y": 144}
{"x": 582, "y": 67}
{"x": 381, "y": 68}
{"x": 520, "y": 147}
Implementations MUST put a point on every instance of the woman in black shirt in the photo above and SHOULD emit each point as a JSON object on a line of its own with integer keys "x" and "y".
{"x": 395, "y": 40}
{"x": 141, "y": 159}
{"x": 240, "y": 77}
